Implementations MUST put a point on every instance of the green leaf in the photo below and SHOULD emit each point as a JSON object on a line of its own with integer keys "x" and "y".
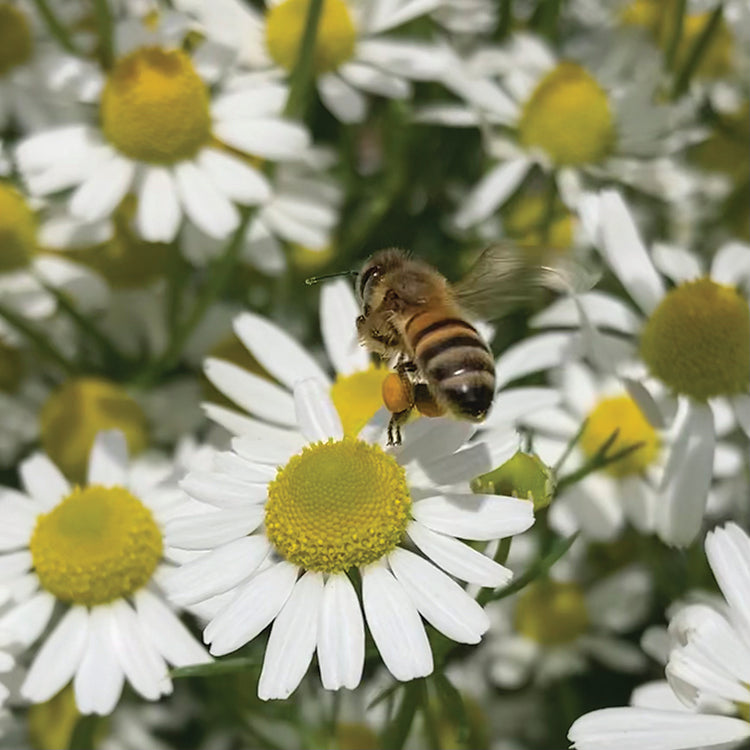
{"x": 224, "y": 666}
{"x": 538, "y": 569}
{"x": 384, "y": 694}
{"x": 395, "y": 734}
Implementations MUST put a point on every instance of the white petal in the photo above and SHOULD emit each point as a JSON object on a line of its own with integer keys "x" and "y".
{"x": 491, "y": 192}
{"x": 375, "y": 81}
{"x": 99, "y": 679}
{"x": 15, "y": 564}
{"x": 626, "y": 255}
{"x": 208, "y": 208}
{"x": 645, "y": 402}
{"x": 108, "y": 460}
{"x": 58, "y": 658}
{"x": 475, "y": 516}
{"x": 28, "y": 620}
{"x": 341, "y": 635}
{"x": 657, "y": 694}
{"x": 158, "y": 215}
{"x": 515, "y": 403}
{"x": 253, "y": 393}
{"x": 603, "y": 310}
{"x": 19, "y": 519}
{"x": 43, "y": 480}
{"x": 651, "y": 729}
{"x": 731, "y": 264}
{"x": 431, "y": 439}
{"x": 459, "y": 559}
{"x": 614, "y": 653}
{"x": 687, "y": 477}
{"x": 256, "y": 101}
{"x": 268, "y": 444}
{"x": 102, "y": 192}
{"x": 232, "y": 421}
{"x": 676, "y": 263}
{"x": 240, "y": 182}
{"x": 461, "y": 466}
{"x": 395, "y": 625}
{"x": 389, "y": 15}
{"x": 218, "y": 571}
{"x": 171, "y": 638}
{"x": 338, "y": 312}
{"x": 222, "y": 491}
{"x": 208, "y": 530}
{"x": 257, "y": 603}
{"x": 439, "y": 599}
{"x": 741, "y": 409}
{"x": 144, "y": 668}
{"x": 344, "y": 101}
{"x": 271, "y": 138}
{"x": 533, "y": 354}
{"x": 728, "y": 552}
{"x": 621, "y": 601}
{"x": 291, "y": 644}
{"x": 316, "y": 414}
{"x": 275, "y": 350}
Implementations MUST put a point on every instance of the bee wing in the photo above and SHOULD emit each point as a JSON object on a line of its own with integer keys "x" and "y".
{"x": 507, "y": 276}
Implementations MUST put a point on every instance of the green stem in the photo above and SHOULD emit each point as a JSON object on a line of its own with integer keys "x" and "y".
{"x": 43, "y": 344}
{"x": 56, "y": 28}
{"x": 87, "y": 328}
{"x": 569, "y": 447}
{"x": 505, "y": 20}
{"x": 430, "y": 725}
{"x": 106, "y": 33}
{"x": 697, "y": 52}
{"x": 302, "y": 74}
{"x": 220, "y": 274}
{"x": 397, "y": 731}
{"x": 676, "y": 36}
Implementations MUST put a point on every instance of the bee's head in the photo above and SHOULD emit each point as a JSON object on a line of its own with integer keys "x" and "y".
{"x": 370, "y": 278}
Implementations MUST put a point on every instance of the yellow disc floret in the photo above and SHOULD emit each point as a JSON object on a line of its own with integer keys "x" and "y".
{"x": 15, "y": 38}
{"x": 155, "y": 107}
{"x": 334, "y": 42}
{"x": 357, "y": 397}
{"x": 621, "y": 414}
{"x": 568, "y": 116}
{"x": 17, "y": 230}
{"x": 551, "y": 612}
{"x": 337, "y": 505}
{"x": 77, "y": 411}
{"x": 99, "y": 544}
{"x": 698, "y": 340}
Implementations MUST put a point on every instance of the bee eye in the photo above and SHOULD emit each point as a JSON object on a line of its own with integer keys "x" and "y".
{"x": 371, "y": 273}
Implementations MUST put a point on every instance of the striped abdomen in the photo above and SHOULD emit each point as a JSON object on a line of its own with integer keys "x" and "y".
{"x": 454, "y": 359}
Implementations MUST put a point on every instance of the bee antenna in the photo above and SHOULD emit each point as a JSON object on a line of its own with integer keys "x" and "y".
{"x": 315, "y": 279}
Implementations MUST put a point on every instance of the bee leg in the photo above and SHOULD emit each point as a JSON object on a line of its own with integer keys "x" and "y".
{"x": 404, "y": 366}
{"x": 394, "y": 426}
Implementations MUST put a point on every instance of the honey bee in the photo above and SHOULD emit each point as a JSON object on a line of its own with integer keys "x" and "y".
{"x": 413, "y": 318}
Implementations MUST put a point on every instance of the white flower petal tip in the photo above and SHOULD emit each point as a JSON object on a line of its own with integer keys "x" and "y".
{"x": 631, "y": 728}
{"x": 108, "y": 460}
{"x": 316, "y": 415}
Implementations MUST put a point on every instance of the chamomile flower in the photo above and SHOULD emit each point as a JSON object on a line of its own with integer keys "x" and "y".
{"x": 25, "y": 270}
{"x": 353, "y": 57}
{"x": 295, "y": 517}
{"x": 708, "y": 671}
{"x": 92, "y": 553}
{"x": 560, "y": 116}
{"x": 693, "y": 342}
{"x": 183, "y": 148}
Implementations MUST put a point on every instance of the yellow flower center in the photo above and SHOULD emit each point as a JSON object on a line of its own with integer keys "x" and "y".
{"x": 524, "y": 475}
{"x": 17, "y": 229}
{"x": 568, "y": 116}
{"x": 551, "y": 612}
{"x": 621, "y": 414}
{"x": 644, "y": 13}
{"x": 125, "y": 260}
{"x": 77, "y": 411}
{"x": 306, "y": 259}
{"x": 525, "y": 218}
{"x": 357, "y": 397}
{"x": 337, "y": 505}
{"x": 155, "y": 107}
{"x": 15, "y": 38}
{"x": 698, "y": 340}
{"x": 99, "y": 544}
{"x": 334, "y": 43}
{"x": 11, "y": 368}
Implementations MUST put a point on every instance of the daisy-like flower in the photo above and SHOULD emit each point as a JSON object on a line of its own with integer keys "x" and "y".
{"x": 182, "y": 148}
{"x": 692, "y": 362}
{"x": 92, "y": 553}
{"x": 299, "y": 513}
{"x": 626, "y": 490}
{"x": 708, "y": 671}
{"x": 554, "y": 627}
{"x": 558, "y": 115}
{"x": 25, "y": 269}
{"x": 352, "y": 54}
